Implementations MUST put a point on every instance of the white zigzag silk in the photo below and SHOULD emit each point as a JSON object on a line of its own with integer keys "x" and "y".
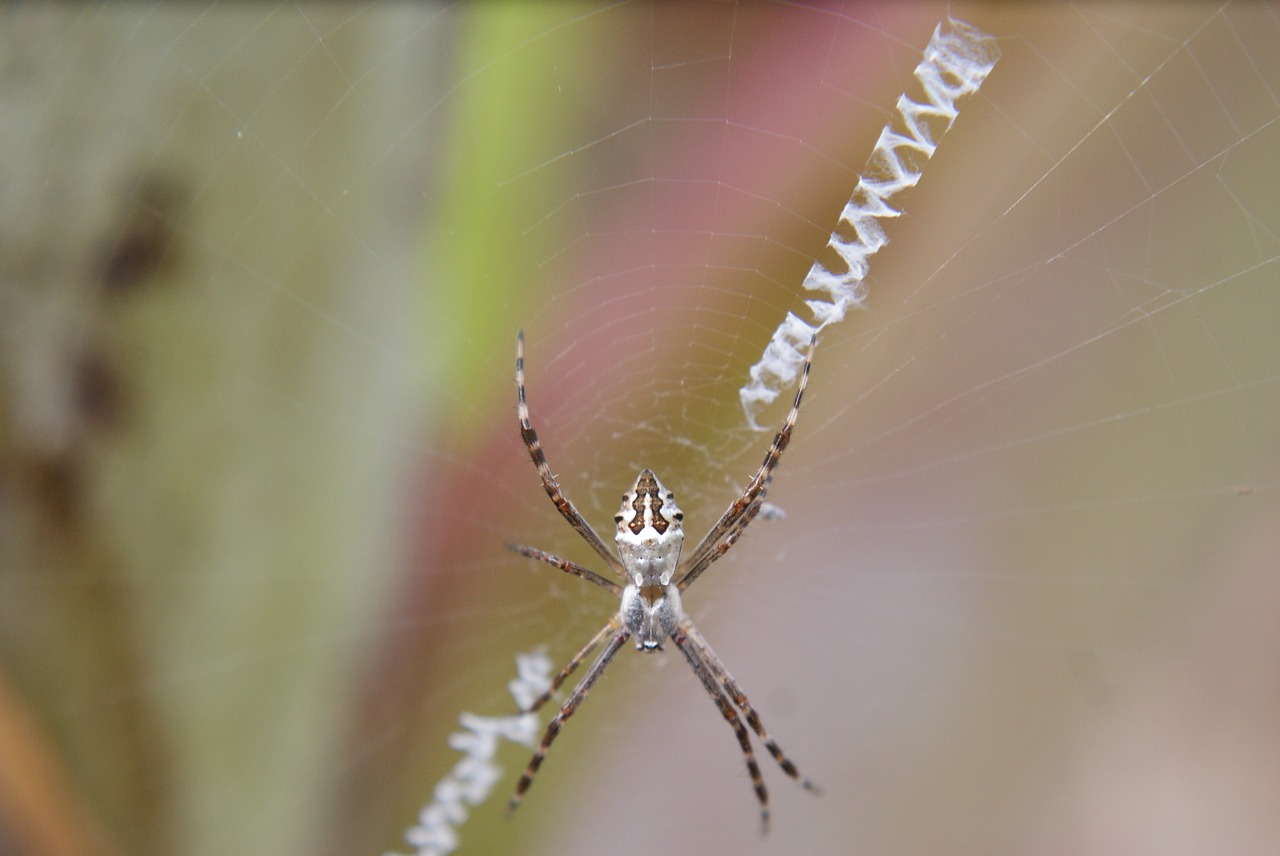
{"x": 956, "y": 62}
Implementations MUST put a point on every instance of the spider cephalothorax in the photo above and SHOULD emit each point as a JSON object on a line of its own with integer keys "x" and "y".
{"x": 649, "y": 541}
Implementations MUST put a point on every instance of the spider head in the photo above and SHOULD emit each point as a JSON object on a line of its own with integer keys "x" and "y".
{"x": 650, "y": 532}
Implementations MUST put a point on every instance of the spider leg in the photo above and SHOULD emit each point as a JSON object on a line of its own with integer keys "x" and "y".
{"x": 549, "y": 483}
{"x": 576, "y": 698}
{"x": 733, "y": 515}
{"x": 731, "y": 688}
{"x": 692, "y": 651}
{"x": 566, "y": 566}
{"x": 720, "y": 549}
{"x": 574, "y": 662}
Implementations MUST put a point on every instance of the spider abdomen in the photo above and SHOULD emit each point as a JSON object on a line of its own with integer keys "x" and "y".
{"x": 650, "y": 532}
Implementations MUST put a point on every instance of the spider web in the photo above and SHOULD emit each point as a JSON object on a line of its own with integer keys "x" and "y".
{"x": 263, "y": 272}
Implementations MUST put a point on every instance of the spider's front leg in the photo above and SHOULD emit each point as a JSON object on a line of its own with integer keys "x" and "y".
{"x": 582, "y": 573}
{"x": 691, "y": 653}
{"x": 739, "y": 698}
{"x": 574, "y": 662}
{"x": 576, "y": 698}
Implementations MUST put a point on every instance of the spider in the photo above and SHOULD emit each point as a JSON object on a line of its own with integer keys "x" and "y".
{"x": 650, "y": 534}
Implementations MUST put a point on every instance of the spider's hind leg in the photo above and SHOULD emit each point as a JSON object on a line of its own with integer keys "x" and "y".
{"x": 534, "y": 446}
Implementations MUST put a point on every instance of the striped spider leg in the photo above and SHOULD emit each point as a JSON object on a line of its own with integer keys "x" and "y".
{"x": 549, "y": 483}
{"x": 744, "y": 509}
{"x": 649, "y": 538}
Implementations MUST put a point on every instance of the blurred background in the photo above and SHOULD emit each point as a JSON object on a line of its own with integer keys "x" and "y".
{"x": 261, "y": 273}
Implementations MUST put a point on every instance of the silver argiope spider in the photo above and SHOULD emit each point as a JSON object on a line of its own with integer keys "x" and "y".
{"x": 649, "y": 537}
